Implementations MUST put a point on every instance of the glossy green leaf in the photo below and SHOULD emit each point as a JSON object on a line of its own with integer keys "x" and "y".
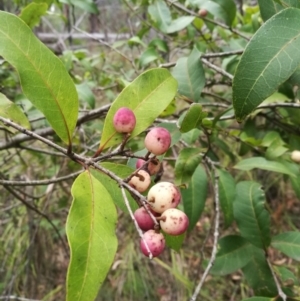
{"x": 186, "y": 164}
{"x": 190, "y": 75}
{"x": 250, "y": 214}
{"x": 221, "y": 9}
{"x": 122, "y": 171}
{"x": 44, "y": 79}
{"x": 32, "y": 13}
{"x": 276, "y": 149}
{"x": 169, "y": 110}
{"x": 90, "y": 228}
{"x": 286, "y": 276}
{"x": 194, "y": 196}
{"x": 272, "y": 7}
{"x": 233, "y": 254}
{"x": 179, "y": 24}
{"x": 148, "y": 96}
{"x": 262, "y": 163}
{"x": 226, "y": 195}
{"x": 193, "y": 118}
{"x": 191, "y": 136}
{"x": 148, "y": 56}
{"x": 288, "y": 243}
{"x": 161, "y": 15}
{"x": 269, "y": 59}
{"x": 174, "y": 242}
{"x": 86, "y": 94}
{"x": 259, "y": 276}
{"x": 13, "y": 112}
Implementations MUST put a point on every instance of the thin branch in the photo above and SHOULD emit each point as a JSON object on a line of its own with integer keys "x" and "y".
{"x": 140, "y": 232}
{"x": 83, "y": 160}
{"x": 16, "y": 298}
{"x": 41, "y": 151}
{"x": 216, "y": 68}
{"x": 109, "y": 46}
{"x": 179, "y": 6}
{"x": 93, "y": 114}
{"x": 279, "y": 289}
{"x": 221, "y": 54}
{"x": 40, "y": 182}
{"x": 207, "y": 56}
{"x": 205, "y": 62}
{"x": 216, "y": 229}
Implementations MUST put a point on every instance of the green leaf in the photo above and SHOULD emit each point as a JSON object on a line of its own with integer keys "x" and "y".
{"x": 262, "y": 163}
{"x": 276, "y": 149}
{"x": 234, "y": 253}
{"x": 269, "y": 59}
{"x": 287, "y": 277}
{"x": 32, "y": 13}
{"x": 122, "y": 171}
{"x": 90, "y": 228}
{"x": 13, "y": 112}
{"x": 259, "y": 276}
{"x": 148, "y": 96}
{"x": 86, "y": 5}
{"x": 160, "y": 14}
{"x": 190, "y": 75}
{"x": 221, "y": 9}
{"x": 148, "y": 56}
{"x": 179, "y": 24}
{"x": 186, "y": 164}
{"x": 85, "y": 94}
{"x": 272, "y": 7}
{"x": 250, "y": 214}
{"x": 174, "y": 242}
{"x": 194, "y": 196}
{"x": 193, "y": 118}
{"x": 169, "y": 110}
{"x": 44, "y": 79}
{"x": 288, "y": 243}
{"x": 226, "y": 195}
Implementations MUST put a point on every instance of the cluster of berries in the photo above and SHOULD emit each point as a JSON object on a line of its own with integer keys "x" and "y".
{"x": 162, "y": 198}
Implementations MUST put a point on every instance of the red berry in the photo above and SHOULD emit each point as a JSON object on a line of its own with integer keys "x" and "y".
{"x": 143, "y": 219}
{"x": 155, "y": 242}
{"x": 153, "y": 166}
{"x": 124, "y": 120}
{"x": 158, "y": 141}
{"x": 162, "y": 196}
{"x": 174, "y": 221}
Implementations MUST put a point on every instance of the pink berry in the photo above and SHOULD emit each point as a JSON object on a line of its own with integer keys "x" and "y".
{"x": 174, "y": 221}
{"x": 158, "y": 141}
{"x": 141, "y": 181}
{"x": 143, "y": 219}
{"x": 139, "y": 163}
{"x": 162, "y": 196}
{"x": 124, "y": 120}
{"x": 202, "y": 12}
{"x": 155, "y": 242}
{"x": 152, "y": 167}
